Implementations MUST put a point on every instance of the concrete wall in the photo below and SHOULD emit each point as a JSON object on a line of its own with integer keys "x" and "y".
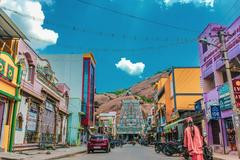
{"x": 19, "y": 134}
{"x": 68, "y": 68}
{"x": 74, "y": 121}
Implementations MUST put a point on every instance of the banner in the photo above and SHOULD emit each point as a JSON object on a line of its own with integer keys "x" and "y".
{"x": 215, "y": 112}
{"x": 236, "y": 89}
{"x": 32, "y": 121}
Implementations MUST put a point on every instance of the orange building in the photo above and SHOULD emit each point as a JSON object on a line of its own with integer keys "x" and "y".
{"x": 176, "y": 93}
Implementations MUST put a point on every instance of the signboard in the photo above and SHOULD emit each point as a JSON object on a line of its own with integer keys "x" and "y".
{"x": 32, "y": 121}
{"x": 163, "y": 121}
{"x": 208, "y": 109}
{"x": 215, "y": 112}
{"x": 224, "y": 97}
{"x": 198, "y": 106}
{"x": 236, "y": 89}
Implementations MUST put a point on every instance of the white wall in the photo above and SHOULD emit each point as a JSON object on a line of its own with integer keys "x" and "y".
{"x": 19, "y": 134}
{"x": 64, "y": 130}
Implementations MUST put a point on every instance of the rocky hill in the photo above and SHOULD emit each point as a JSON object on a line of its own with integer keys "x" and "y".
{"x": 142, "y": 91}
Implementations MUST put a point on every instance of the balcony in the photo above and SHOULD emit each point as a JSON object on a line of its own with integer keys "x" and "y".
{"x": 207, "y": 71}
{"x": 211, "y": 95}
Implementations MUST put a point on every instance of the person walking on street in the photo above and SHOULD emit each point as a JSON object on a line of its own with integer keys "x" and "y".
{"x": 231, "y": 139}
{"x": 193, "y": 140}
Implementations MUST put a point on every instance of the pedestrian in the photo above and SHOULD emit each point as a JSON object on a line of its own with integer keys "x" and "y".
{"x": 193, "y": 140}
{"x": 231, "y": 139}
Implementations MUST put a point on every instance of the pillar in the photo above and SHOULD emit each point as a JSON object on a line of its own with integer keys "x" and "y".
{"x": 39, "y": 123}
{"x": 56, "y": 125}
{"x": 29, "y": 101}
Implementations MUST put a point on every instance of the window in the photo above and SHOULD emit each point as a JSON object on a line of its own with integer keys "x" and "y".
{"x": 19, "y": 122}
{"x": 66, "y": 97}
{"x": 210, "y": 83}
{"x": 92, "y": 74}
{"x": 85, "y": 86}
{"x": 30, "y": 75}
{"x": 204, "y": 46}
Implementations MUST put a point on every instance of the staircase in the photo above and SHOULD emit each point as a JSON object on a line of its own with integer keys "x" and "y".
{"x": 24, "y": 147}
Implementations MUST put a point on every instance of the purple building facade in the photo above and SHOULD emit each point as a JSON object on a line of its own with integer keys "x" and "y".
{"x": 214, "y": 80}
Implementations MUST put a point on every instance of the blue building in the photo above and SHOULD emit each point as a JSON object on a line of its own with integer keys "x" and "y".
{"x": 75, "y": 131}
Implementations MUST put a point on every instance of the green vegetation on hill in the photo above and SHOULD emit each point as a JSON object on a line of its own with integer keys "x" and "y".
{"x": 145, "y": 99}
{"x": 119, "y": 92}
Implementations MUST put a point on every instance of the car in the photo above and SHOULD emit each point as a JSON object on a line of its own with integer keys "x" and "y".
{"x": 98, "y": 142}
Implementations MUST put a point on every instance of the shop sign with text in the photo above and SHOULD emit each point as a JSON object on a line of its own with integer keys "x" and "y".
{"x": 236, "y": 89}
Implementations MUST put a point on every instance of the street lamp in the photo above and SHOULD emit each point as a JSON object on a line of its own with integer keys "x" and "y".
{"x": 223, "y": 49}
{"x": 205, "y": 41}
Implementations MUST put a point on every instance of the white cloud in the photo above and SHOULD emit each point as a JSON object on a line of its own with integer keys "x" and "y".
{"x": 33, "y": 29}
{"x": 133, "y": 69}
{"x": 207, "y": 3}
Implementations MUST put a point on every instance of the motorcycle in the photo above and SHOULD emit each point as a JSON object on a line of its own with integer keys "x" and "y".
{"x": 207, "y": 151}
{"x": 159, "y": 147}
{"x": 112, "y": 144}
{"x": 177, "y": 147}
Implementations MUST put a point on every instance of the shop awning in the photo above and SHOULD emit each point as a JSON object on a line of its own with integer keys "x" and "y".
{"x": 168, "y": 127}
{"x": 8, "y": 28}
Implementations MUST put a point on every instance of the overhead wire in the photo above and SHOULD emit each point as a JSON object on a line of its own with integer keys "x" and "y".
{"x": 96, "y": 33}
{"x": 137, "y": 17}
{"x": 148, "y": 48}
{"x": 179, "y": 41}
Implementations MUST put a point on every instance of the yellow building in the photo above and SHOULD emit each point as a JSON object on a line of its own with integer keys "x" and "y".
{"x": 9, "y": 79}
{"x": 177, "y": 92}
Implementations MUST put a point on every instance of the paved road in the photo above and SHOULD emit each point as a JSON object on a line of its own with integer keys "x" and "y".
{"x": 127, "y": 152}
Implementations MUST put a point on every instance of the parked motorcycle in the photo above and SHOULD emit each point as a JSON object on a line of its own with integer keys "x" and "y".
{"x": 207, "y": 151}
{"x": 177, "y": 147}
{"x": 159, "y": 147}
{"x": 112, "y": 144}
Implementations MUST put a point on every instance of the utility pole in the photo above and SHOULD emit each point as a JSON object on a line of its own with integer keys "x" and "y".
{"x": 223, "y": 50}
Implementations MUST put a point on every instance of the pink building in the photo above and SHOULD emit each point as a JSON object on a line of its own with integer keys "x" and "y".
{"x": 214, "y": 80}
{"x": 43, "y": 108}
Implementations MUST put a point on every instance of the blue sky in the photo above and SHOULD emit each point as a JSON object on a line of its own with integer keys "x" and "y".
{"x": 83, "y": 28}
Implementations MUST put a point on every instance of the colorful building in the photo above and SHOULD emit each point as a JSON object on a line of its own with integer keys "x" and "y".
{"x": 53, "y": 111}
{"x": 176, "y": 92}
{"x": 31, "y": 113}
{"x": 214, "y": 80}
{"x": 10, "y": 79}
{"x": 63, "y": 113}
{"x": 78, "y": 71}
{"x": 27, "y": 122}
{"x": 107, "y": 123}
{"x": 88, "y": 92}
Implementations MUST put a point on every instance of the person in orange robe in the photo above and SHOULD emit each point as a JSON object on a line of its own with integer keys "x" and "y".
{"x": 193, "y": 140}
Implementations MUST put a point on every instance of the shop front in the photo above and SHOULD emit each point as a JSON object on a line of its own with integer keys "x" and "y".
{"x": 9, "y": 98}
{"x": 48, "y": 122}
{"x": 32, "y": 123}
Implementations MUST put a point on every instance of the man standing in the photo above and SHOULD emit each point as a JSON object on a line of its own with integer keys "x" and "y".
{"x": 193, "y": 140}
{"x": 231, "y": 138}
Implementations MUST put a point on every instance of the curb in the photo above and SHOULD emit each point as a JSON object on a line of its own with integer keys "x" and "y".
{"x": 66, "y": 155}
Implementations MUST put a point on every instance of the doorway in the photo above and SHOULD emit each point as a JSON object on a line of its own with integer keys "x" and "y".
{"x": 2, "y": 106}
{"x": 215, "y": 131}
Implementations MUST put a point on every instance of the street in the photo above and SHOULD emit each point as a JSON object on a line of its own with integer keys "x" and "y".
{"x": 127, "y": 152}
